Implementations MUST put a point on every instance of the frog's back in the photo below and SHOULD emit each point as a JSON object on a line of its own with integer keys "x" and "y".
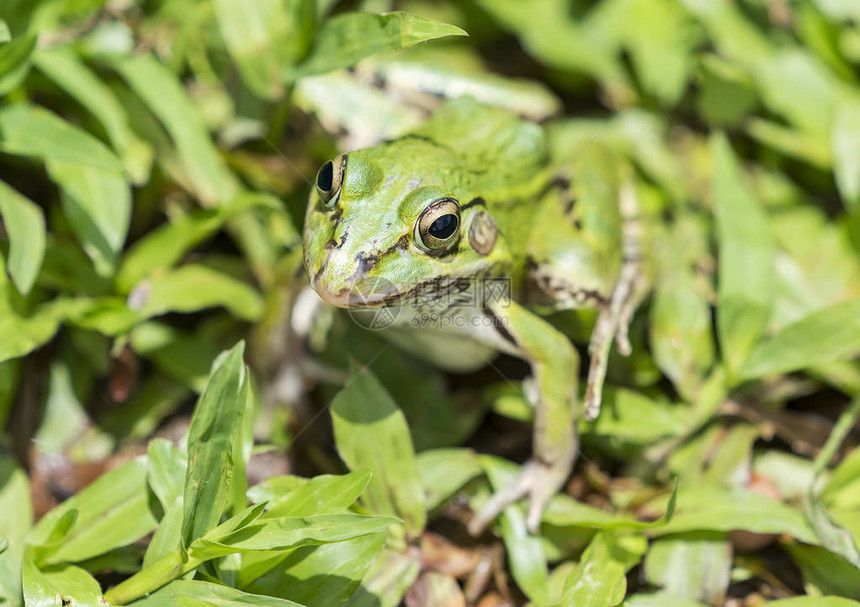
{"x": 505, "y": 157}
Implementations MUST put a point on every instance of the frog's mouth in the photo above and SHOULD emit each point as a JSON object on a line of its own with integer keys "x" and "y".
{"x": 356, "y": 297}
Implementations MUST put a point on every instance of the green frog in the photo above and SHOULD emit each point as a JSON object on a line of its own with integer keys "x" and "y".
{"x": 465, "y": 231}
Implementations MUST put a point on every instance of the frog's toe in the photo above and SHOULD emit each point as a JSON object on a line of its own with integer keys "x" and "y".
{"x": 622, "y": 340}
{"x": 593, "y": 398}
{"x": 537, "y": 480}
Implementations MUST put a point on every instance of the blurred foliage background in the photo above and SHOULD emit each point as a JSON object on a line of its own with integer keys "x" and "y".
{"x": 155, "y": 162}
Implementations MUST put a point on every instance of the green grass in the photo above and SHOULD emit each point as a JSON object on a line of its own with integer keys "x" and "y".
{"x": 171, "y": 435}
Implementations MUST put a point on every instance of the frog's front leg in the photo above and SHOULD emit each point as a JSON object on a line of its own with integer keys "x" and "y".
{"x": 554, "y": 363}
{"x": 614, "y": 318}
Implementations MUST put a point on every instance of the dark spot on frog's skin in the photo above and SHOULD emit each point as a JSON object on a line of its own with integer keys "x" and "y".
{"x": 402, "y": 243}
{"x": 366, "y": 262}
{"x": 551, "y": 287}
{"x": 321, "y": 270}
{"x": 335, "y": 217}
{"x": 388, "y": 225}
{"x": 478, "y": 201}
{"x": 562, "y": 183}
{"x": 333, "y": 244}
{"x": 499, "y": 326}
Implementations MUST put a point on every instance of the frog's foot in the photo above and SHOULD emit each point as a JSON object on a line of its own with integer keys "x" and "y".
{"x": 538, "y": 480}
{"x": 614, "y": 319}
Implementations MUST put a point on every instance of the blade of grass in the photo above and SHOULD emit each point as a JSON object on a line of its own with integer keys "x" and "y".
{"x": 25, "y": 225}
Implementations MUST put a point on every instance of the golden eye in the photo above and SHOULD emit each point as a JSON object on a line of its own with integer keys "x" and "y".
{"x": 438, "y": 226}
{"x": 330, "y": 180}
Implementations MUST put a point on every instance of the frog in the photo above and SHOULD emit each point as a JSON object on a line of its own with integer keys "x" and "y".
{"x": 468, "y": 233}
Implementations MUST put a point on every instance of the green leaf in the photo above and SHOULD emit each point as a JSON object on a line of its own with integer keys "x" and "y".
{"x": 814, "y": 601}
{"x": 321, "y": 494}
{"x": 28, "y": 130}
{"x": 660, "y": 599}
{"x": 833, "y": 537}
{"x": 550, "y": 33}
{"x": 659, "y": 38}
{"x": 324, "y": 575}
{"x": 444, "y": 471}
{"x": 680, "y": 327}
{"x": 733, "y": 458}
{"x": 564, "y": 511}
{"x": 843, "y": 487}
{"x": 25, "y": 225}
{"x": 9, "y": 377}
{"x": 214, "y": 427}
{"x": 525, "y": 553}
{"x": 167, "y": 244}
{"x": 15, "y": 58}
{"x": 636, "y": 419}
{"x": 195, "y": 287}
{"x": 265, "y": 38}
{"x": 709, "y": 508}
{"x": 746, "y": 259}
{"x": 166, "y": 469}
{"x": 60, "y": 585}
{"x": 346, "y": 39}
{"x": 599, "y": 578}
{"x": 62, "y": 65}
{"x": 387, "y": 580}
{"x": 167, "y": 538}
{"x": 64, "y": 418}
{"x": 821, "y": 337}
{"x": 14, "y": 524}
{"x": 21, "y": 330}
{"x": 162, "y": 92}
{"x": 98, "y": 205}
{"x": 287, "y": 532}
{"x": 371, "y": 433}
{"x": 824, "y": 572}
{"x": 186, "y": 357}
{"x": 112, "y": 512}
{"x": 295, "y": 496}
{"x": 846, "y": 153}
{"x": 67, "y": 269}
{"x": 206, "y": 593}
{"x": 96, "y": 197}
{"x": 707, "y": 559}
{"x": 726, "y": 92}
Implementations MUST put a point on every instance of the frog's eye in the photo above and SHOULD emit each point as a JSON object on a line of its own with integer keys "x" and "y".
{"x": 330, "y": 180}
{"x": 438, "y": 227}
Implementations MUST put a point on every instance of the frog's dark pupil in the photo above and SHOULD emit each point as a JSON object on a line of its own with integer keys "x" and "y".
{"x": 325, "y": 178}
{"x": 444, "y": 226}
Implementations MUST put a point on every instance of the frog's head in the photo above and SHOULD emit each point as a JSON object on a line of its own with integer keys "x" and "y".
{"x": 381, "y": 226}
